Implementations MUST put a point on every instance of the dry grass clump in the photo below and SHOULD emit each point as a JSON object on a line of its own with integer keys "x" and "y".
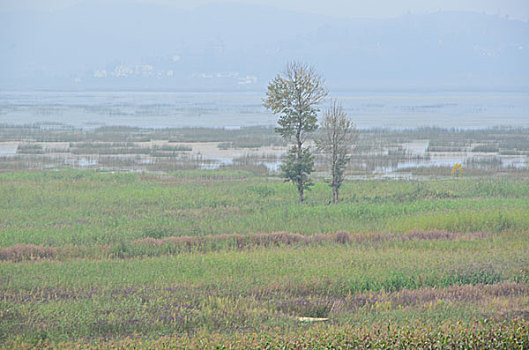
{"x": 321, "y": 238}
{"x": 238, "y": 241}
{"x": 176, "y": 244}
{"x": 279, "y": 238}
{"x": 429, "y": 235}
{"x": 442, "y": 235}
{"x": 342, "y": 237}
{"x": 20, "y": 252}
{"x": 150, "y": 241}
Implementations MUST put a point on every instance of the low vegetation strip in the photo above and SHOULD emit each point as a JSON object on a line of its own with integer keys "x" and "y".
{"x": 296, "y": 304}
{"x": 333, "y": 269}
{"x": 284, "y": 238}
{"x": 512, "y": 334}
{"x": 506, "y": 335}
{"x": 467, "y": 316}
{"x": 188, "y": 309}
{"x": 175, "y": 245}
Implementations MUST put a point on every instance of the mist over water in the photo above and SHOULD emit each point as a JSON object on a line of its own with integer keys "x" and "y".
{"x": 382, "y": 109}
{"x": 90, "y": 63}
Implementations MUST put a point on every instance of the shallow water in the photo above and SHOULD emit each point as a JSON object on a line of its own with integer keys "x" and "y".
{"x": 166, "y": 109}
{"x": 8, "y": 148}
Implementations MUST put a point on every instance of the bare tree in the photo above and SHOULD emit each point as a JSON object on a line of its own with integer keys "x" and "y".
{"x": 295, "y": 96}
{"x": 337, "y": 139}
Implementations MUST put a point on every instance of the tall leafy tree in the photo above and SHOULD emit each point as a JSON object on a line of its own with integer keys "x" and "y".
{"x": 336, "y": 140}
{"x": 295, "y": 95}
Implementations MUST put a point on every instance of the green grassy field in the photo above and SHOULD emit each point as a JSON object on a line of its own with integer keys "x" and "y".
{"x": 205, "y": 259}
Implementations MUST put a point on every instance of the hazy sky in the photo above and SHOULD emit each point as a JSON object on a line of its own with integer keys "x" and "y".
{"x": 518, "y": 9}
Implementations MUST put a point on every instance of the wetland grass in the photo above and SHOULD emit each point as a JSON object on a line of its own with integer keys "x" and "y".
{"x": 226, "y": 258}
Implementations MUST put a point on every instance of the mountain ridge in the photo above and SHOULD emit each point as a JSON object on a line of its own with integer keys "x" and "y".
{"x": 242, "y": 47}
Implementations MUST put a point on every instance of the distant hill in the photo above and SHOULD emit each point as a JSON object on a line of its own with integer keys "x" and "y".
{"x": 127, "y": 45}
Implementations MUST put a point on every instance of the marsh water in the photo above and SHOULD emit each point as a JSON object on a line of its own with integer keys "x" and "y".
{"x": 388, "y": 109}
{"x": 159, "y": 110}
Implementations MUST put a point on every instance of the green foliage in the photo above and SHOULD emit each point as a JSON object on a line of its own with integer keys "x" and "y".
{"x": 297, "y": 169}
{"x": 295, "y": 97}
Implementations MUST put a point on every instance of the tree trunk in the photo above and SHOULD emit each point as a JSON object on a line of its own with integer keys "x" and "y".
{"x": 300, "y": 154}
{"x": 334, "y": 163}
{"x": 334, "y": 192}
